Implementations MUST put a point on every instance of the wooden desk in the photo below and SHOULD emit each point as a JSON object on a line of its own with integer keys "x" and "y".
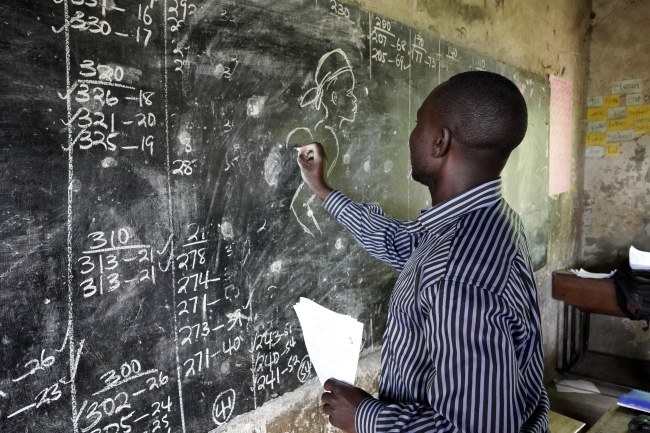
{"x": 615, "y": 420}
{"x": 588, "y": 295}
{"x": 581, "y": 297}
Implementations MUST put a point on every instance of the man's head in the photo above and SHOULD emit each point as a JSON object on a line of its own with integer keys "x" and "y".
{"x": 480, "y": 117}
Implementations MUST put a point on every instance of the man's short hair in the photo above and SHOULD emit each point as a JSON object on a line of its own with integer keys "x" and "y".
{"x": 485, "y": 111}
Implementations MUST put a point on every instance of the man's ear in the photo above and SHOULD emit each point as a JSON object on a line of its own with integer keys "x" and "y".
{"x": 443, "y": 143}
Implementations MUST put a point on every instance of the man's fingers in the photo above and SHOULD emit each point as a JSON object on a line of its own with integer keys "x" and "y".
{"x": 308, "y": 154}
{"x": 327, "y": 409}
{"x": 330, "y": 385}
{"x": 326, "y": 397}
{"x": 312, "y": 151}
{"x": 305, "y": 156}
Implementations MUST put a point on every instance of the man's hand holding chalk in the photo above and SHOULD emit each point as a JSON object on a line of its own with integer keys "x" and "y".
{"x": 311, "y": 159}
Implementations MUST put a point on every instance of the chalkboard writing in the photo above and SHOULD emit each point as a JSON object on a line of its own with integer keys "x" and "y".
{"x": 154, "y": 229}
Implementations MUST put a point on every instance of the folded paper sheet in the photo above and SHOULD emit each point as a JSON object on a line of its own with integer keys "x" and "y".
{"x": 333, "y": 341}
{"x": 578, "y": 386}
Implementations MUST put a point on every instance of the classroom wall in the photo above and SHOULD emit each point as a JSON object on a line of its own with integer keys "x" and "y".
{"x": 617, "y": 203}
{"x": 544, "y": 37}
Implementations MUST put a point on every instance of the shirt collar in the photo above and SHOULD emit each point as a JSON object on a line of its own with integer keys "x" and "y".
{"x": 435, "y": 217}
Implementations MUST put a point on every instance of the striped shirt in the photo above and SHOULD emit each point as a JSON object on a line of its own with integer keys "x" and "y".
{"x": 462, "y": 350}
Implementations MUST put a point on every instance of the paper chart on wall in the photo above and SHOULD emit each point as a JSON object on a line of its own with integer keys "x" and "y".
{"x": 560, "y": 135}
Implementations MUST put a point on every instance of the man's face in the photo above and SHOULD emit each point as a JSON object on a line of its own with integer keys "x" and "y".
{"x": 422, "y": 139}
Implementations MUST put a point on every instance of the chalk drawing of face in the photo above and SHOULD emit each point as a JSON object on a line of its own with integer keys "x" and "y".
{"x": 334, "y": 90}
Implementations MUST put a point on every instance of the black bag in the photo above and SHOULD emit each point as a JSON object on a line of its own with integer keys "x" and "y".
{"x": 633, "y": 288}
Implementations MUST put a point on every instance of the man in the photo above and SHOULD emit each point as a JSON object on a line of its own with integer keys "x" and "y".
{"x": 462, "y": 350}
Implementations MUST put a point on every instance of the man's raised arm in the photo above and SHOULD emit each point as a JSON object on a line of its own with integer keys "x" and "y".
{"x": 385, "y": 238}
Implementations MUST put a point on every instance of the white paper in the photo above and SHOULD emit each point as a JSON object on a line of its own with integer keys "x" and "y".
{"x": 634, "y": 99}
{"x": 333, "y": 341}
{"x": 617, "y": 113}
{"x": 594, "y": 151}
{"x": 627, "y": 86}
{"x": 578, "y": 386}
{"x": 616, "y": 136}
{"x": 597, "y": 126}
{"x": 595, "y": 101}
{"x": 639, "y": 260}
{"x": 585, "y": 274}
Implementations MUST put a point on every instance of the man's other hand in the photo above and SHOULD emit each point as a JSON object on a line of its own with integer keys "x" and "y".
{"x": 311, "y": 159}
{"x": 340, "y": 403}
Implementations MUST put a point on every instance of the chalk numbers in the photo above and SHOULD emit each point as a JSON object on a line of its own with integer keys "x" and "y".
{"x": 179, "y": 13}
{"x": 109, "y": 408}
{"x": 35, "y": 364}
{"x": 382, "y": 38}
{"x": 102, "y": 85}
{"x": 183, "y": 167}
{"x": 114, "y": 261}
{"x": 399, "y": 62}
{"x": 382, "y": 24}
{"x": 106, "y": 73}
{"x": 117, "y": 412}
{"x": 223, "y": 407}
{"x": 379, "y": 55}
{"x": 157, "y": 382}
{"x": 339, "y": 9}
{"x": 91, "y": 24}
{"x": 111, "y": 378}
{"x": 452, "y": 52}
{"x": 48, "y": 395}
{"x": 417, "y": 52}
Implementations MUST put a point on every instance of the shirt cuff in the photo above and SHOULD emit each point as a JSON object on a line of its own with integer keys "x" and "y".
{"x": 335, "y": 203}
{"x": 366, "y": 417}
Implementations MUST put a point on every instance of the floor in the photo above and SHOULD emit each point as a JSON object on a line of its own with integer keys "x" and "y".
{"x": 587, "y": 408}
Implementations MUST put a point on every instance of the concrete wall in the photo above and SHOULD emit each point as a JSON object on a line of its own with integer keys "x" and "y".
{"x": 541, "y": 36}
{"x": 617, "y": 199}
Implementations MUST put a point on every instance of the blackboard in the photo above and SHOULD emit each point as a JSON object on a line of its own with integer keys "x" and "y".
{"x": 154, "y": 229}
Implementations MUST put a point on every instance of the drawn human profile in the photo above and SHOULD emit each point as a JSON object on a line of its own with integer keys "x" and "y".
{"x": 333, "y": 96}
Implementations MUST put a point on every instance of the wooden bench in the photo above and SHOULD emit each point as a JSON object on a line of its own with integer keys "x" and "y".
{"x": 563, "y": 424}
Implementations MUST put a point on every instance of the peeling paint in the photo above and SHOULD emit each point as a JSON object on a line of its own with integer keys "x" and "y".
{"x": 639, "y": 157}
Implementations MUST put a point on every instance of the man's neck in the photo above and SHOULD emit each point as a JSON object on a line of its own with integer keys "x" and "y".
{"x": 447, "y": 189}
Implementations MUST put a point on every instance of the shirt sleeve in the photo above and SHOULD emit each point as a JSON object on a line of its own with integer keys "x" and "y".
{"x": 475, "y": 383}
{"x": 384, "y": 238}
